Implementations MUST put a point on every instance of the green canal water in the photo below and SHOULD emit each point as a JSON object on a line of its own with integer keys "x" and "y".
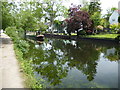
{"x": 75, "y": 64}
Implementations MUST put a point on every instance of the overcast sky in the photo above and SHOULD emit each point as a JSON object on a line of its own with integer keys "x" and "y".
{"x": 105, "y": 4}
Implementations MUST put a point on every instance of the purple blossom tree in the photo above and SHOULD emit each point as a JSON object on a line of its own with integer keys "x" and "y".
{"x": 78, "y": 20}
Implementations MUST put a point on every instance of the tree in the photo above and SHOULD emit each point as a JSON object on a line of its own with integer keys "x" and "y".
{"x": 107, "y": 16}
{"x": 78, "y": 20}
{"x": 85, "y": 6}
{"x": 104, "y": 22}
{"x": 0, "y": 15}
{"x": 94, "y": 7}
{"x": 109, "y": 13}
{"x": 38, "y": 12}
{"x": 96, "y": 17}
{"x": 28, "y": 21}
{"x": 53, "y": 9}
{"x": 58, "y": 25}
{"x": 7, "y": 18}
{"x": 94, "y": 10}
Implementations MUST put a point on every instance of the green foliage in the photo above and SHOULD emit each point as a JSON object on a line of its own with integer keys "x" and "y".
{"x": 12, "y": 32}
{"x": 105, "y": 19}
{"x": 96, "y": 18}
{"x": 82, "y": 32}
{"x": 21, "y": 47}
{"x": 58, "y": 25}
{"x": 114, "y": 28}
{"x": 94, "y": 7}
{"x": 104, "y": 23}
{"x": 27, "y": 69}
{"x": 109, "y": 13}
{"x": 94, "y": 10}
{"x": 38, "y": 12}
{"x": 85, "y": 7}
{"x": 28, "y": 22}
{"x": 7, "y": 18}
{"x": 21, "y": 44}
{"x": 42, "y": 27}
{"x": 53, "y": 9}
{"x": 31, "y": 16}
{"x": 20, "y": 33}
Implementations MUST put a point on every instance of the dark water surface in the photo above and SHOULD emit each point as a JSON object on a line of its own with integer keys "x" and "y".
{"x": 75, "y": 64}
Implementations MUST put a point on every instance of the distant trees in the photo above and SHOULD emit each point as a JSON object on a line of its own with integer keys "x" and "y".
{"x": 106, "y": 17}
{"x": 94, "y": 7}
{"x": 52, "y": 10}
{"x": 32, "y": 16}
{"x": 45, "y": 15}
{"x": 109, "y": 13}
{"x": 94, "y": 10}
{"x": 85, "y": 18}
{"x": 96, "y": 18}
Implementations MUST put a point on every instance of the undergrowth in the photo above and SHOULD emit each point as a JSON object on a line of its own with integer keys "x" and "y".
{"x": 21, "y": 47}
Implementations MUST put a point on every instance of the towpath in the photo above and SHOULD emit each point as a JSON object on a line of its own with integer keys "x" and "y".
{"x": 10, "y": 75}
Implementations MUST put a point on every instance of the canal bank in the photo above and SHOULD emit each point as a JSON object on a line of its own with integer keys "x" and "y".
{"x": 11, "y": 75}
{"x": 81, "y": 38}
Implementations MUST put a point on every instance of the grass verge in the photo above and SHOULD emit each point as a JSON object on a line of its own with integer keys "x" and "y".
{"x": 112, "y": 36}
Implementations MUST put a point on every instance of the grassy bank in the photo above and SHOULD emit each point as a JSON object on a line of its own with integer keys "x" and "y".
{"x": 21, "y": 47}
{"x": 113, "y": 36}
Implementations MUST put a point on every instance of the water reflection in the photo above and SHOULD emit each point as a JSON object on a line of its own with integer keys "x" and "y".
{"x": 55, "y": 59}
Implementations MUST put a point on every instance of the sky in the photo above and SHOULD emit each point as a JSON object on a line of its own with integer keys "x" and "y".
{"x": 105, "y": 4}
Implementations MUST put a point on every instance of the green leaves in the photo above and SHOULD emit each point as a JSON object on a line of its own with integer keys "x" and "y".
{"x": 96, "y": 17}
{"x": 94, "y": 7}
{"x": 7, "y": 18}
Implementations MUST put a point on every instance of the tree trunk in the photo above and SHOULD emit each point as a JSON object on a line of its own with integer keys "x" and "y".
{"x": 25, "y": 34}
{"x": 77, "y": 33}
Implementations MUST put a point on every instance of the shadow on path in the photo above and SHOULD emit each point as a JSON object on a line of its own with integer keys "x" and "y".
{"x": 6, "y": 40}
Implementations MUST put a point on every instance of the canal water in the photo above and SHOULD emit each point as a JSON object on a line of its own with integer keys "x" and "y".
{"x": 75, "y": 64}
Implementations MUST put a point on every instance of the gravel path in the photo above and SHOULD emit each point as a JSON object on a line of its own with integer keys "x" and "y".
{"x": 10, "y": 75}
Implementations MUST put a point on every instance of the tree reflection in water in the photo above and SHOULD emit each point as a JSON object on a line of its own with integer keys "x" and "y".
{"x": 55, "y": 58}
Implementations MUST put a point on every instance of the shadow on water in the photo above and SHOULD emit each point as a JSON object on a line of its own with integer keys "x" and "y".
{"x": 74, "y": 64}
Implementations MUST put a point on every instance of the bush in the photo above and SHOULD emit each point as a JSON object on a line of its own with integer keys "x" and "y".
{"x": 23, "y": 46}
{"x": 21, "y": 33}
{"x": 114, "y": 28}
{"x": 82, "y": 32}
{"x": 19, "y": 43}
{"x": 11, "y": 31}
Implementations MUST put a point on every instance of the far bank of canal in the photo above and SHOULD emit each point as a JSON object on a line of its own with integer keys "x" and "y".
{"x": 75, "y": 64}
